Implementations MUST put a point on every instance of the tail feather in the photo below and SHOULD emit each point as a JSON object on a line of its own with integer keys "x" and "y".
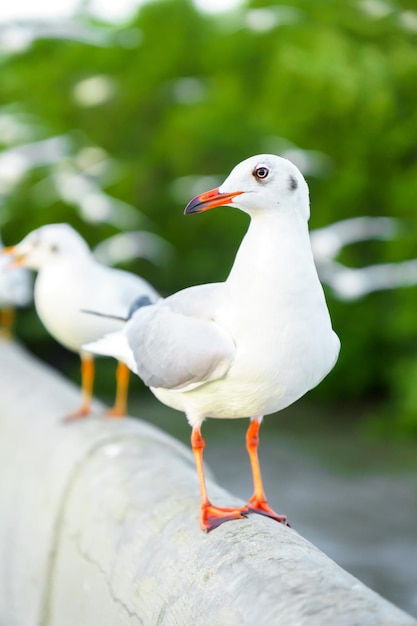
{"x": 135, "y": 306}
{"x": 108, "y": 316}
{"x": 115, "y": 345}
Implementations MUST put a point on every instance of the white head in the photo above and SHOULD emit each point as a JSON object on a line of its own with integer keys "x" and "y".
{"x": 265, "y": 182}
{"x": 48, "y": 245}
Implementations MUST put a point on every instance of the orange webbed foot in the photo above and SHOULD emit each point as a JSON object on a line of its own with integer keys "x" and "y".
{"x": 115, "y": 412}
{"x": 213, "y": 516}
{"x": 80, "y": 413}
{"x": 262, "y": 507}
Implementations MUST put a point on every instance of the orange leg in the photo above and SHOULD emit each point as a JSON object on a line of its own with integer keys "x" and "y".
{"x": 87, "y": 382}
{"x": 258, "y": 502}
{"x": 7, "y": 318}
{"x": 122, "y": 386}
{"x": 210, "y": 516}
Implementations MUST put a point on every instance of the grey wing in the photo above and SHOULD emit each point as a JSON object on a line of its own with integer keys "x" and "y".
{"x": 201, "y": 301}
{"x": 176, "y": 351}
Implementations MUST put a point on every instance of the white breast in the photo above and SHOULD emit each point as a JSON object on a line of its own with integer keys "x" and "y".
{"x": 275, "y": 311}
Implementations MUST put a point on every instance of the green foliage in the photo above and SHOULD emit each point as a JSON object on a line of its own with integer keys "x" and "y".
{"x": 197, "y": 94}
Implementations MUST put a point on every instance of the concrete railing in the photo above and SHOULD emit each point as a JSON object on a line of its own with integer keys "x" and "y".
{"x": 99, "y": 527}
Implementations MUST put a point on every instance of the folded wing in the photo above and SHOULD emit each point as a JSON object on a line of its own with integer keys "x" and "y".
{"x": 179, "y": 351}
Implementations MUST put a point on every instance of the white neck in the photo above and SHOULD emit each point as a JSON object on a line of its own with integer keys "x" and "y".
{"x": 274, "y": 256}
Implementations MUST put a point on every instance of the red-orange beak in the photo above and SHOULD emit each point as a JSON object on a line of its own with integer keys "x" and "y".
{"x": 209, "y": 200}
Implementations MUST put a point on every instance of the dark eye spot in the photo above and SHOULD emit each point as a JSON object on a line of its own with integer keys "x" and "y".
{"x": 53, "y": 248}
{"x": 293, "y": 183}
{"x": 261, "y": 172}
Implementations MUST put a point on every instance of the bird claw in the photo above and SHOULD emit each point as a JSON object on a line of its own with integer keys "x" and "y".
{"x": 263, "y": 508}
{"x": 76, "y": 415}
{"x": 213, "y": 516}
{"x": 114, "y": 412}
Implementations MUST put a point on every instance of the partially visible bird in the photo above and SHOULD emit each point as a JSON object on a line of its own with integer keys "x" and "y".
{"x": 135, "y": 244}
{"x": 71, "y": 281}
{"x": 352, "y": 283}
{"x": 246, "y": 347}
{"x": 15, "y": 292}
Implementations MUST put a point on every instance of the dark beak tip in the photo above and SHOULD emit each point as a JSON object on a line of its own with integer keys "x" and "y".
{"x": 205, "y": 201}
{"x": 192, "y": 206}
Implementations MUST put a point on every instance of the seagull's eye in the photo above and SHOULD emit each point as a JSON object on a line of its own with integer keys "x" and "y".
{"x": 261, "y": 172}
{"x": 53, "y": 248}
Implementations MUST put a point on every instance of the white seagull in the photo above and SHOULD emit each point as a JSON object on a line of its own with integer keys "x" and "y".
{"x": 251, "y": 345}
{"x": 70, "y": 281}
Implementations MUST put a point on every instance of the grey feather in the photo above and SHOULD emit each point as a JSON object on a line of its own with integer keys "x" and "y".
{"x": 175, "y": 345}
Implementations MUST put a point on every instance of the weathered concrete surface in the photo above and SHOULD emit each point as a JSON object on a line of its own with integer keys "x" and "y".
{"x": 99, "y": 527}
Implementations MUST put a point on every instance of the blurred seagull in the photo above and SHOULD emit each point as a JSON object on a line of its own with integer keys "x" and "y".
{"x": 70, "y": 281}
{"x": 249, "y": 346}
{"x": 137, "y": 244}
{"x": 328, "y": 242}
{"x": 348, "y": 283}
{"x": 15, "y": 291}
